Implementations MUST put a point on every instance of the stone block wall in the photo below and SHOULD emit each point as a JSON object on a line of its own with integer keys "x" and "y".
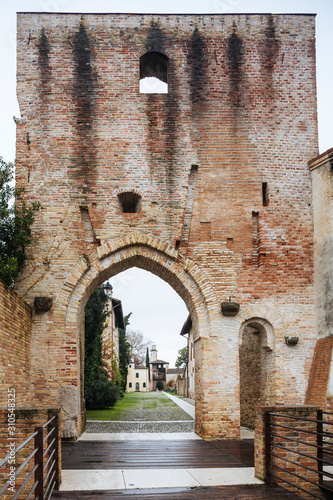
{"x": 15, "y": 343}
{"x": 219, "y": 164}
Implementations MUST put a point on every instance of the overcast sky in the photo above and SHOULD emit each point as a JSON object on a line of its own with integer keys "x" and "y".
{"x": 157, "y": 311}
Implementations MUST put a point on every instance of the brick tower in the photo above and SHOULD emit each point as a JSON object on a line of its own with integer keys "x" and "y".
{"x": 206, "y": 185}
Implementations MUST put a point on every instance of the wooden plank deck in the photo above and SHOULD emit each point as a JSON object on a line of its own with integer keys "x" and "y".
{"x": 155, "y": 455}
{"x": 166, "y": 454}
{"x": 211, "y": 493}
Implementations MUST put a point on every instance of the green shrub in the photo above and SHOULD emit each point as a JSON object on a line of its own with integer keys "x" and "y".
{"x": 100, "y": 394}
{"x": 16, "y": 219}
{"x": 159, "y": 386}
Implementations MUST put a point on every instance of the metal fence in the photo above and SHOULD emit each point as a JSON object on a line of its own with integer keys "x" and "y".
{"x": 38, "y": 474}
{"x": 299, "y": 452}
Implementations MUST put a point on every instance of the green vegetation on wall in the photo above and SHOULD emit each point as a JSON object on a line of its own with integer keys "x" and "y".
{"x": 16, "y": 219}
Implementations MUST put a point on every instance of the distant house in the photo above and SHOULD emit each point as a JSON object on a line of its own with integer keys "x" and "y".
{"x": 186, "y": 388}
{"x": 141, "y": 378}
{"x": 158, "y": 369}
{"x": 137, "y": 378}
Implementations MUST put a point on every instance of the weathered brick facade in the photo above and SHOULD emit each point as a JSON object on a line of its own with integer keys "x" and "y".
{"x": 219, "y": 167}
{"x": 15, "y": 346}
{"x": 320, "y": 387}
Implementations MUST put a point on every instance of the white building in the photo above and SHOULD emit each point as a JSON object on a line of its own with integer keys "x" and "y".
{"x": 137, "y": 378}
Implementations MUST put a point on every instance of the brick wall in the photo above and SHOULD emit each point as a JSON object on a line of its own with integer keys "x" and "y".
{"x": 15, "y": 342}
{"x": 322, "y": 196}
{"x": 240, "y": 114}
{"x": 320, "y": 387}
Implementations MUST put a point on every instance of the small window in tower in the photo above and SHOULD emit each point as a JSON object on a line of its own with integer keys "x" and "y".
{"x": 154, "y": 73}
{"x": 129, "y": 203}
{"x": 264, "y": 194}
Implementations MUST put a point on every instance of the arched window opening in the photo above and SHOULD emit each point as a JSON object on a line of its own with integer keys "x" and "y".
{"x": 154, "y": 73}
{"x": 144, "y": 385}
{"x": 130, "y": 384}
{"x": 129, "y": 203}
{"x": 137, "y": 375}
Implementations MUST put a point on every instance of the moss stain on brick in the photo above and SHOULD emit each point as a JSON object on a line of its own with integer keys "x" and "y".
{"x": 235, "y": 58}
{"x": 269, "y": 55}
{"x": 197, "y": 60}
{"x": 84, "y": 90}
{"x": 162, "y": 141}
{"x": 45, "y": 74}
{"x": 171, "y": 126}
{"x": 271, "y": 46}
{"x": 44, "y": 60}
{"x": 156, "y": 39}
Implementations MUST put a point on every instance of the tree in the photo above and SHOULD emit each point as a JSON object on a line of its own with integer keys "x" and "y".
{"x": 139, "y": 345}
{"x": 15, "y": 225}
{"x": 124, "y": 353}
{"x": 147, "y": 362}
{"x": 182, "y": 359}
{"x": 172, "y": 384}
{"x": 99, "y": 392}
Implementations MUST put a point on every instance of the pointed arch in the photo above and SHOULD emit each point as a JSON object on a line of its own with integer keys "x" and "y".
{"x": 149, "y": 253}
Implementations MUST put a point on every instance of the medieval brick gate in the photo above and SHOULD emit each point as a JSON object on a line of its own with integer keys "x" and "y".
{"x": 206, "y": 185}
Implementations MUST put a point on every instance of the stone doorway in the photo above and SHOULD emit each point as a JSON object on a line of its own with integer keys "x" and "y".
{"x": 256, "y": 366}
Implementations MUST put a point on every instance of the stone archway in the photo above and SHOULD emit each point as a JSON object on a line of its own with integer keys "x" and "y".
{"x": 154, "y": 255}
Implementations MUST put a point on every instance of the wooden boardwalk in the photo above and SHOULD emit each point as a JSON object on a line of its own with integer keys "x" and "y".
{"x": 156, "y": 455}
{"x": 163, "y": 455}
{"x": 212, "y": 493}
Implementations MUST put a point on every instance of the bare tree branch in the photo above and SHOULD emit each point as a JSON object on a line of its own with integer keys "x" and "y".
{"x": 139, "y": 346}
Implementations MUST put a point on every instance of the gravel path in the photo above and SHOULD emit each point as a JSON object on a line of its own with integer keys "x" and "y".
{"x": 138, "y": 427}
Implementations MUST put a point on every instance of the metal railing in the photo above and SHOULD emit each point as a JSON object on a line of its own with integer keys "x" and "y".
{"x": 40, "y": 468}
{"x": 302, "y": 443}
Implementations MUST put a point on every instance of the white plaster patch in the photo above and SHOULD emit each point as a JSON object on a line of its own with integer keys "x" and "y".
{"x": 221, "y": 477}
{"x": 81, "y": 480}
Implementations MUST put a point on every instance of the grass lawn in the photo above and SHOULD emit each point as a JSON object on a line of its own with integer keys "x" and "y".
{"x": 133, "y": 405}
